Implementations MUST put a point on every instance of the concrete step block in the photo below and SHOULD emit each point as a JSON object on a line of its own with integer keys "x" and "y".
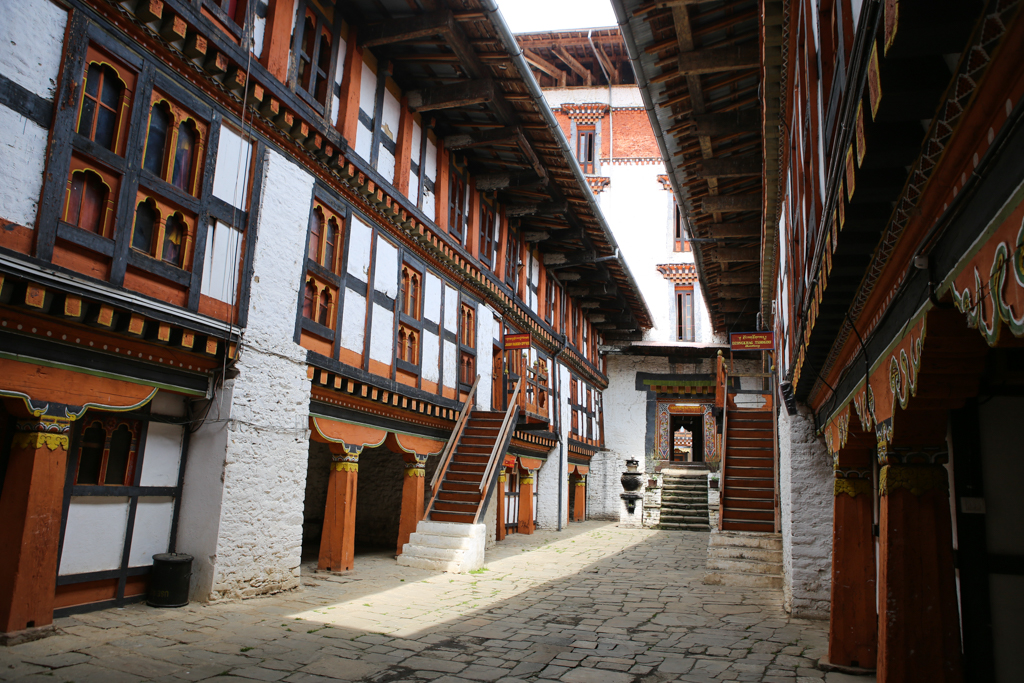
{"x": 448, "y": 529}
{"x": 715, "y": 578}
{"x": 747, "y": 539}
{"x": 446, "y": 554}
{"x": 426, "y": 563}
{"x": 438, "y": 541}
{"x": 742, "y": 553}
{"x": 744, "y": 566}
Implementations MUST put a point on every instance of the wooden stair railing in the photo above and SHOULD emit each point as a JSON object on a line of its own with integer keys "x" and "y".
{"x": 498, "y": 452}
{"x": 453, "y": 440}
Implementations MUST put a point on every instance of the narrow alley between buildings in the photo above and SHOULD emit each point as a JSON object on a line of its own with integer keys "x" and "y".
{"x": 592, "y": 603}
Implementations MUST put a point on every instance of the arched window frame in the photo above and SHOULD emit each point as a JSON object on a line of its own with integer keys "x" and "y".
{"x": 157, "y": 229}
{"x": 110, "y": 425}
{"x": 106, "y": 68}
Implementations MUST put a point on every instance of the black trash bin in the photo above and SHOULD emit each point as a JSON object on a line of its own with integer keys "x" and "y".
{"x": 168, "y": 582}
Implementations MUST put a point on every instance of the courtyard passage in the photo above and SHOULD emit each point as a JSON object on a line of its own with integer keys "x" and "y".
{"x": 591, "y": 604}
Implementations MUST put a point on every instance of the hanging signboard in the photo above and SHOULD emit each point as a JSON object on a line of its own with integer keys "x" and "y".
{"x": 752, "y": 341}
{"x": 517, "y": 341}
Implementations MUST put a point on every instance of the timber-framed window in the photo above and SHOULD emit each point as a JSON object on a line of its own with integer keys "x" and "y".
{"x": 314, "y": 49}
{"x": 685, "y": 330}
{"x": 549, "y": 300}
{"x": 512, "y": 262}
{"x": 410, "y": 302}
{"x": 137, "y": 178}
{"x": 488, "y": 232}
{"x": 467, "y": 344}
{"x": 586, "y": 147}
{"x": 107, "y": 451}
{"x": 458, "y": 203}
{"x": 679, "y": 241}
{"x": 322, "y": 287}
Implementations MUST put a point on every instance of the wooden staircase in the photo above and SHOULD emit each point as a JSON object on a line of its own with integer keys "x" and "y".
{"x": 748, "y": 482}
{"x": 461, "y": 495}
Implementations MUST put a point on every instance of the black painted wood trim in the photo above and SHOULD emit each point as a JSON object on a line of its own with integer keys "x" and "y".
{"x": 25, "y": 102}
{"x": 84, "y": 238}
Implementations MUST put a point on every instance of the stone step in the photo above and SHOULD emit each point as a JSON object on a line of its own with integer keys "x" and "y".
{"x": 671, "y": 526}
{"x": 685, "y": 519}
{"x": 744, "y": 553}
{"x": 744, "y": 580}
{"x": 685, "y": 505}
{"x": 744, "y": 566}
{"x": 445, "y": 546}
{"x": 438, "y": 541}
{"x": 747, "y": 539}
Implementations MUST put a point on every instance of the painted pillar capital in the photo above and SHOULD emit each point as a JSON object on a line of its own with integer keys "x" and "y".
{"x": 918, "y": 479}
{"x": 852, "y": 482}
{"x": 46, "y": 431}
{"x": 349, "y": 462}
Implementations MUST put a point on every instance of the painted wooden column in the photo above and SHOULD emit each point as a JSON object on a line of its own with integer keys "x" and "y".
{"x": 337, "y": 544}
{"x": 526, "y": 524}
{"x": 412, "y": 497}
{"x": 277, "y": 41}
{"x": 918, "y": 627}
{"x": 580, "y": 501}
{"x": 348, "y": 109}
{"x": 500, "y": 500}
{"x": 853, "y": 628}
{"x": 404, "y": 150}
{"x": 30, "y": 507}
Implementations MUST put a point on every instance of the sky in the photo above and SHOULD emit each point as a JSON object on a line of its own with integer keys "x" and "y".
{"x": 524, "y": 16}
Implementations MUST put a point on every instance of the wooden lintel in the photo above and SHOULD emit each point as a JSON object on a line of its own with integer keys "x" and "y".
{"x": 495, "y": 136}
{"x": 718, "y": 59}
{"x": 406, "y": 29}
{"x": 541, "y": 209}
{"x": 749, "y": 277}
{"x": 737, "y": 291}
{"x": 731, "y": 203}
{"x": 729, "y": 123}
{"x": 731, "y": 167}
{"x": 512, "y": 179}
{"x": 741, "y": 229}
{"x": 453, "y": 96}
{"x": 544, "y": 65}
{"x": 733, "y": 254}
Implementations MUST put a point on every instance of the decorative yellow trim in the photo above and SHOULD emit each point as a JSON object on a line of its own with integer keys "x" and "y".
{"x": 852, "y": 487}
{"x": 526, "y": 480}
{"x": 36, "y": 440}
{"x": 416, "y": 470}
{"x": 581, "y": 482}
{"x": 502, "y": 477}
{"x": 918, "y": 479}
{"x": 345, "y": 466}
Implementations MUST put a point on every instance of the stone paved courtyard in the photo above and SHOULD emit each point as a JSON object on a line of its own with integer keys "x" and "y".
{"x": 592, "y": 604}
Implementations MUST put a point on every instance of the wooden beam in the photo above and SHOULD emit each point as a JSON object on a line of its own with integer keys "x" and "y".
{"x": 737, "y": 291}
{"x": 742, "y": 229}
{"x": 580, "y": 70}
{"x": 749, "y": 277}
{"x": 508, "y": 135}
{"x": 665, "y": 4}
{"x": 606, "y": 63}
{"x": 544, "y": 65}
{"x": 541, "y": 209}
{"x": 719, "y": 59}
{"x": 462, "y": 94}
{"x": 512, "y": 179}
{"x": 733, "y": 254}
{"x": 731, "y": 123}
{"x": 732, "y": 306}
{"x": 731, "y": 203}
{"x": 731, "y": 167}
{"x": 404, "y": 30}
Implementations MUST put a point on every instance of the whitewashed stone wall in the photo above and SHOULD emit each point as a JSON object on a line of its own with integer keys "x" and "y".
{"x": 553, "y": 475}
{"x": 806, "y": 488}
{"x": 242, "y": 505}
{"x": 31, "y": 43}
{"x": 625, "y": 433}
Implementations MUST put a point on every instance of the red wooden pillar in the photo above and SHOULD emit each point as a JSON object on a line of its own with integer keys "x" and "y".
{"x": 526, "y": 525}
{"x": 30, "y": 507}
{"x": 277, "y": 38}
{"x": 348, "y": 110}
{"x": 918, "y": 627}
{"x": 580, "y": 502}
{"x": 412, "y": 497}
{"x": 853, "y": 628}
{"x": 500, "y": 499}
{"x": 337, "y": 544}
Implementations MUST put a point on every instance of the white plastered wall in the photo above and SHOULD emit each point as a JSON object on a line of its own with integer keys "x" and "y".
{"x": 484, "y": 334}
{"x": 625, "y": 432}
{"x": 31, "y": 42}
{"x": 806, "y": 497}
{"x": 242, "y": 504}
{"x": 551, "y": 478}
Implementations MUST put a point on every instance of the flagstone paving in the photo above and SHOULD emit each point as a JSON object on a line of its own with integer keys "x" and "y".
{"x": 591, "y": 604}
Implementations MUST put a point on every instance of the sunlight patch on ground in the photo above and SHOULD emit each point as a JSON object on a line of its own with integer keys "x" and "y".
{"x": 401, "y": 601}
